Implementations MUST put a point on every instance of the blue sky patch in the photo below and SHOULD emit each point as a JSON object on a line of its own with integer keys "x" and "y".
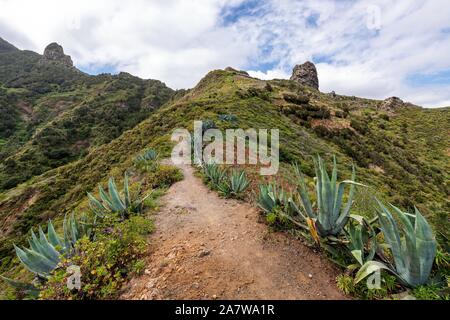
{"x": 231, "y": 15}
{"x": 98, "y": 69}
{"x": 441, "y": 78}
{"x": 312, "y": 20}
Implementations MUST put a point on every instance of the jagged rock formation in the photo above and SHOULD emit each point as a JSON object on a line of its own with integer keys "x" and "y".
{"x": 54, "y": 53}
{"x": 306, "y": 74}
{"x": 391, "y": 104}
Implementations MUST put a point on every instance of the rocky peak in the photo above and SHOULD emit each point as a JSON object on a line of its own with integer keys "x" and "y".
{"x": 306, "y": 74}
{"x": 54, "y": 53}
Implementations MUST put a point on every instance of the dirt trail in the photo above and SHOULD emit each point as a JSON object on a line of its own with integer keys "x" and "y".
{"x": 206, "y": 247}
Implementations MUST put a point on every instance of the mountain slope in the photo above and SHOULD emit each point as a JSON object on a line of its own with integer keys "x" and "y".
{"x": 402, "y": 154}
{"x": 55, "y": 113}
{"x": 400, "y": 150}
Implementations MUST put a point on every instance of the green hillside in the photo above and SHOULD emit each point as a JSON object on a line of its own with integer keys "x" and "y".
{"x": 54, "y": 113}
{"x": 67, "y": 140}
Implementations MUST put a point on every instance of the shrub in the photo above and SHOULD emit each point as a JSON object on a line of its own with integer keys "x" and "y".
{"x": 341, "y": 114}
{"x": 104, "y": 264}
{"x": 347, "y": 285}
{"x": 147, "y": 161}
{"x": 359, "y": 126}
{"x": 323, "y": 131}
{"x": 228, "y": 118}
{"x": 165, "y": 176}
{"x": 258, "y": 93}
{"x": 431, "y": 292}
{"x": 296, "y": 98}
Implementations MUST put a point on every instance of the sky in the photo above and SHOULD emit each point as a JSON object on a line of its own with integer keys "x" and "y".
{"x": 373, "y": 49}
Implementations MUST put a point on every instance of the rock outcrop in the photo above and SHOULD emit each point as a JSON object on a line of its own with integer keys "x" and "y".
{"x": 306, "y": 74}
{"x": 240, "y": 72}
{"x": 391, "y": 104}
{"x": 54, "y": 53}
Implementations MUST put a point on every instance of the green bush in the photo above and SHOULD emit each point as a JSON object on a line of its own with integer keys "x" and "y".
{"x": 347, "y": 285}
{"x": 165, "y": 176}
{"x": 296, "y": 98}
{"x": 105, "y": 264}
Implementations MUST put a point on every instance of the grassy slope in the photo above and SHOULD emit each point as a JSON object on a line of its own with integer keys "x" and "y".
{"x": 53, "y": 114}
{"x": 63, "y": 126}
{"x": 410, "y": 149}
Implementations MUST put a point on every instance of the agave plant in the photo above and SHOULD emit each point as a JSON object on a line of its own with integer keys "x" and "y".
{"x": 361, "y": 240}
{"x": 214, "y": 173}
{"x": 235, "y": 185}
{"x": 331, "y": 216}
{"x": 272, "y": 196}
{"x": 113, "y": 202}
{"x": 413, "y": 255}
{"x": 147, "y": 159}
{"x": 148, "y": 155}
{"x": 45, "y": 251}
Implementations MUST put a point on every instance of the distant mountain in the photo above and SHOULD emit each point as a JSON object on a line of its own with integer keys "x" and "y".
{"x": 53, "y": 113}
{"x": 6, "y": 46}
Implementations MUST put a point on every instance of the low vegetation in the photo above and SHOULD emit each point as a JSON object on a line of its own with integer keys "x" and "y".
{"x": 106, "y": 244}
{"x": 401, "y": 155}
{"x": 359, "y": 244}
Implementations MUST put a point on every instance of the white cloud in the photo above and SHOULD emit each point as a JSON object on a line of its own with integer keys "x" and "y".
{"x": 179, "y": 41}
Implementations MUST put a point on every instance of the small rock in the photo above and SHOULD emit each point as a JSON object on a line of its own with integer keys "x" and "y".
{"x": 151, "y": 284}
{"x": 310, "y": 276}
{"x": 214, "y": 297}
{"x": 195, "y": 285}
{"x": 204, "y": 253}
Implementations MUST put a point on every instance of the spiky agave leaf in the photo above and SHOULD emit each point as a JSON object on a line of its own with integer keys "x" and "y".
{"x": 45, "y": 251}
{"x": 361, "y": 239}
{"x": 114, "y": 196}
{"x": 35, "y": 262}
{"x": 53, "y": 236}
{"x": 107, "y": 202}
{"x": 28, "y": 288}
{"x": 96, "y": 206}
{"x": 239, "y": 182}
{"x": 126, "y": 191}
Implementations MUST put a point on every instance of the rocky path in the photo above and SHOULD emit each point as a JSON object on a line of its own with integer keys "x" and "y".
{"x": 206, "y": 247}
